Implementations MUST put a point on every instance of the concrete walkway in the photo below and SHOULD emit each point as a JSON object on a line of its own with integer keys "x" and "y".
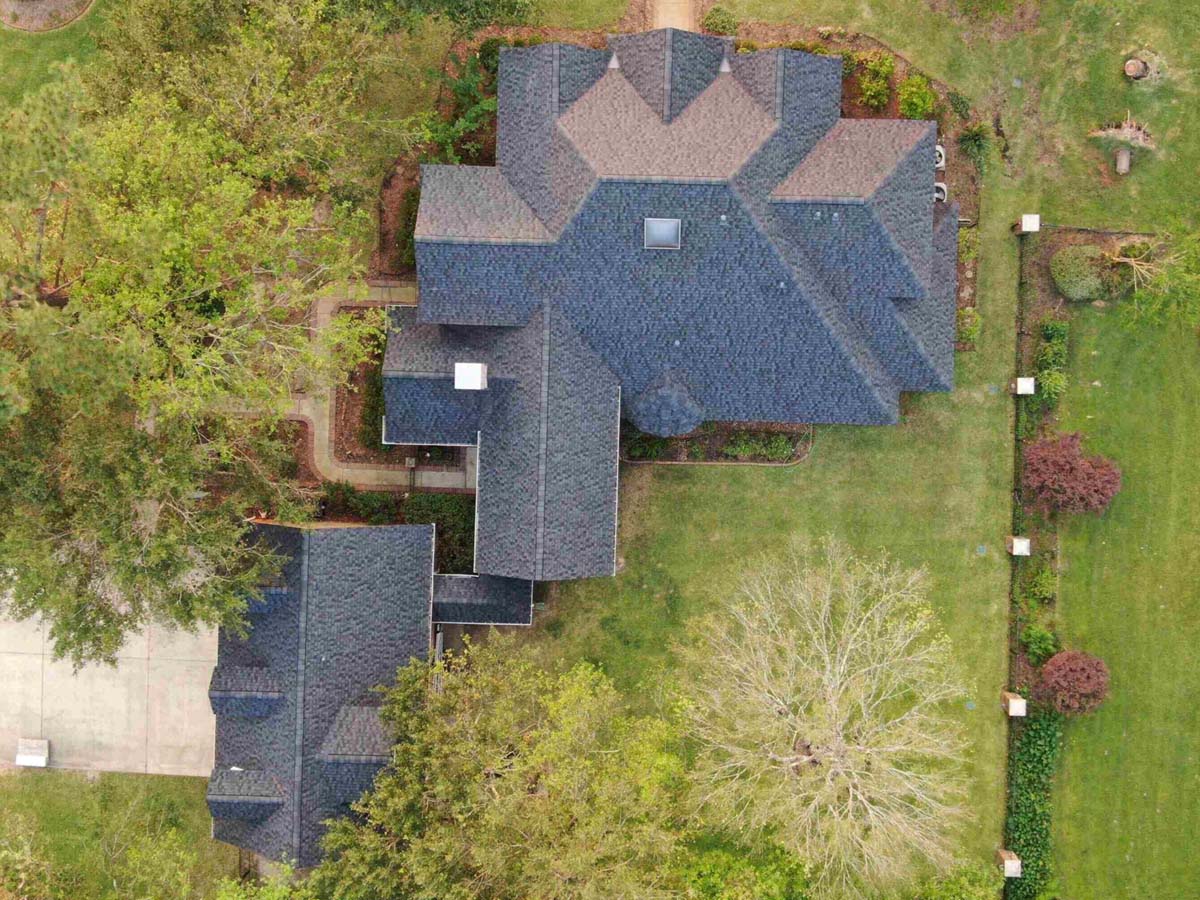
{"x": 679, "y": 14}
{"x": 148, "y": 714}
{"x": 319, "y": 412}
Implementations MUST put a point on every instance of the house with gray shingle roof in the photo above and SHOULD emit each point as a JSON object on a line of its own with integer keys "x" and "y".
{"x": 298, "y": 733}
{"x": 673, "y": 232}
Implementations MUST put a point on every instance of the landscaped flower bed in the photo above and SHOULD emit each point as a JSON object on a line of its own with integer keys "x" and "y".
{"x": 720, "y": 442}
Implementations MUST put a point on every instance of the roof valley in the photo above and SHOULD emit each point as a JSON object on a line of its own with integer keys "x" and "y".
{"x": 543, "y": 438}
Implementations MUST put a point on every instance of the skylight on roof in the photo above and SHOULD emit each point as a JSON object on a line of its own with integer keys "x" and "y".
{"x": 662, "y": 234}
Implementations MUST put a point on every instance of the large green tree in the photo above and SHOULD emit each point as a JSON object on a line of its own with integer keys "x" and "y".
{"x": 510, "y": 783}
{"x": 160, "y": 267}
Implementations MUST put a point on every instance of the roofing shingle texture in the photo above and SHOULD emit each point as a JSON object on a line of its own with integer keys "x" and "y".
{"x": 812, "y": 283}
{"x": 482, "y": 600}
{"x": 357, "y": 607}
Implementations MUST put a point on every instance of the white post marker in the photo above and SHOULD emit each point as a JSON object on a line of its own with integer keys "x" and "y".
{"x": 1025, "y": 387}
{"x": 1014, "y": 705}
{"x": 1019, "y": 546}
{"x": 1030, "y": 223}
{"x": 1009, "y": 863}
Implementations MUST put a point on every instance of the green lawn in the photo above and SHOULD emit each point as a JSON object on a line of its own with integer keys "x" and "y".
{"x": 931, "y": 492}
{"x": 580, "y": 13}
{"x": 938, "y": 486}
{"x": 26, "y": 60}
{"x": 86, "y": 826}
{"x": 1126, "y": 810}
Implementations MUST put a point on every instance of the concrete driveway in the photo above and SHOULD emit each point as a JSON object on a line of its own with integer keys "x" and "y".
{"x": 149, "y": 713}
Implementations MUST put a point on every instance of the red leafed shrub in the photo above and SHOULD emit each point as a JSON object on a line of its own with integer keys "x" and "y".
{"x": 1058, "y": 477}
{"x": 1074, "y": 682}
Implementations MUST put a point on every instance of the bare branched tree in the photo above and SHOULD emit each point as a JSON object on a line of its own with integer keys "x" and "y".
{"x": 819, "y": 699}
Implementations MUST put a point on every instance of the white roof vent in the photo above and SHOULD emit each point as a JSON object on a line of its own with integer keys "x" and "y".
{"x": 662, "y": 234}
{"x": 725, "y": 67}
{"x": 614, "y": 63}
{"x": 469, "y": 376}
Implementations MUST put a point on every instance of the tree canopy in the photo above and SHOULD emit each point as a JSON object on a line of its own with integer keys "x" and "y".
{"x": 508, "y": 781}
{"x": 163, "y": 239}
{"x": 818, "y": 699}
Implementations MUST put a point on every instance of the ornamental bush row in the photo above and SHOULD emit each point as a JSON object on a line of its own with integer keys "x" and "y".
{"x": 1031, "y": 768}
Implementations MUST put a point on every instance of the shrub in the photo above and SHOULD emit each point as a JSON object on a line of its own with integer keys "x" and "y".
{"x": 917, "y": 98}
{"x": 645, "y": 446}
{"x": 976, "y": 142}
{"x": 1031, "y": 766}
{"x": 1052, "y": 384}
{"x": 1052, "y": 355}
{"x": 1078, "y": 272}
{"x": 370, "y": 424}
{"x": 489, "y": 55}
{"x": 719, "y": 20}
{"x": 1074, "y": 682}
{"x": 1043, "y": 586}
{"x": 406, "y": 226}
{"x": 743, "y": 446}
{"x": 746, "y": 46}
{"x": 968, "y": 244}
{"x": 713, "y": 870}
{"x": 1040, "y": 643}
{"x": 972, "y": 882}
{"x": 814, "y": 47}
{"x": 453, "y": 516}
{"x": 345, "y": 500}
{"x": 1058, "y": 477}
{"x": 874, "y": 79}
{"x": 1055, "y": 329}
{"x": 960, "y": 104}
{"x": 969, "y": 325}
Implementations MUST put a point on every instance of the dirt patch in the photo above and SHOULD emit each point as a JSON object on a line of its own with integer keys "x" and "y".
{"x": 41, "y": 15}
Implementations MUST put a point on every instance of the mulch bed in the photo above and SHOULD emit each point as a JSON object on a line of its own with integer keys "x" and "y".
{"x": 41, "y": 15}
{"x": 708, "y": 444}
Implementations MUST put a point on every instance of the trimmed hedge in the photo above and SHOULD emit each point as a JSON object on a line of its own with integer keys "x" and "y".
{"x": 1031, "y": 767}
{"x": 1078, "y": 272}
{"x": 917, "y": 99}
{"x": 875, "y": 78}
{"x": 719, "y": 20}
{"x": 454, "y": 518}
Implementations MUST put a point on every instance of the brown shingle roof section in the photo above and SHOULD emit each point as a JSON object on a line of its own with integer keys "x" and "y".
{"x": 494, "y": 213}
{"x": 619, "y": 136}
{"x": 852, "y": 160}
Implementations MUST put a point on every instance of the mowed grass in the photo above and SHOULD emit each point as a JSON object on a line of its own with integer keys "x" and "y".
{"x": 83, "y": 827}
{"x": 580, "y": 14}
{"x": 932, "y": 492}
{"x": 1126, "y": 809}
{"x": 28, "y": 60}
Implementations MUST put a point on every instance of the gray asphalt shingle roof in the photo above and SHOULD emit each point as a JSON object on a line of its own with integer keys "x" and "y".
{"x": 811, "y": 285}
{"x": 357, "y": 606}
{"x": 482, "y": 600}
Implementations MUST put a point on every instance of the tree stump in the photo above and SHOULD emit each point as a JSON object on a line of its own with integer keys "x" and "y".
{"x": 1137, "y": 69}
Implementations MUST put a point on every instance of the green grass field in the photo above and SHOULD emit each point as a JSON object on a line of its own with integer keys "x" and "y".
{"x": 1126, "y": 814}
{"x": 27, "y": 60}
{"x": 584, "y": 14}
{"x": 931, "y": 492}
{"x": 85, "y": 827}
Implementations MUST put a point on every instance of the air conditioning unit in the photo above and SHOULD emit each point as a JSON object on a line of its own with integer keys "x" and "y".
{"x": 410, "y": 462}
{"x": 941, "y": 193}
{"x": 939, "y": 157}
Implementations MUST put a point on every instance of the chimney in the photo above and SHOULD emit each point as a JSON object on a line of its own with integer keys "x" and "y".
{"x": 469, "y": 376}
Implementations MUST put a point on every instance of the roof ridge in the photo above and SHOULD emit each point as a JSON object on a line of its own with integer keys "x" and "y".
{"x": 839, "y": 334}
